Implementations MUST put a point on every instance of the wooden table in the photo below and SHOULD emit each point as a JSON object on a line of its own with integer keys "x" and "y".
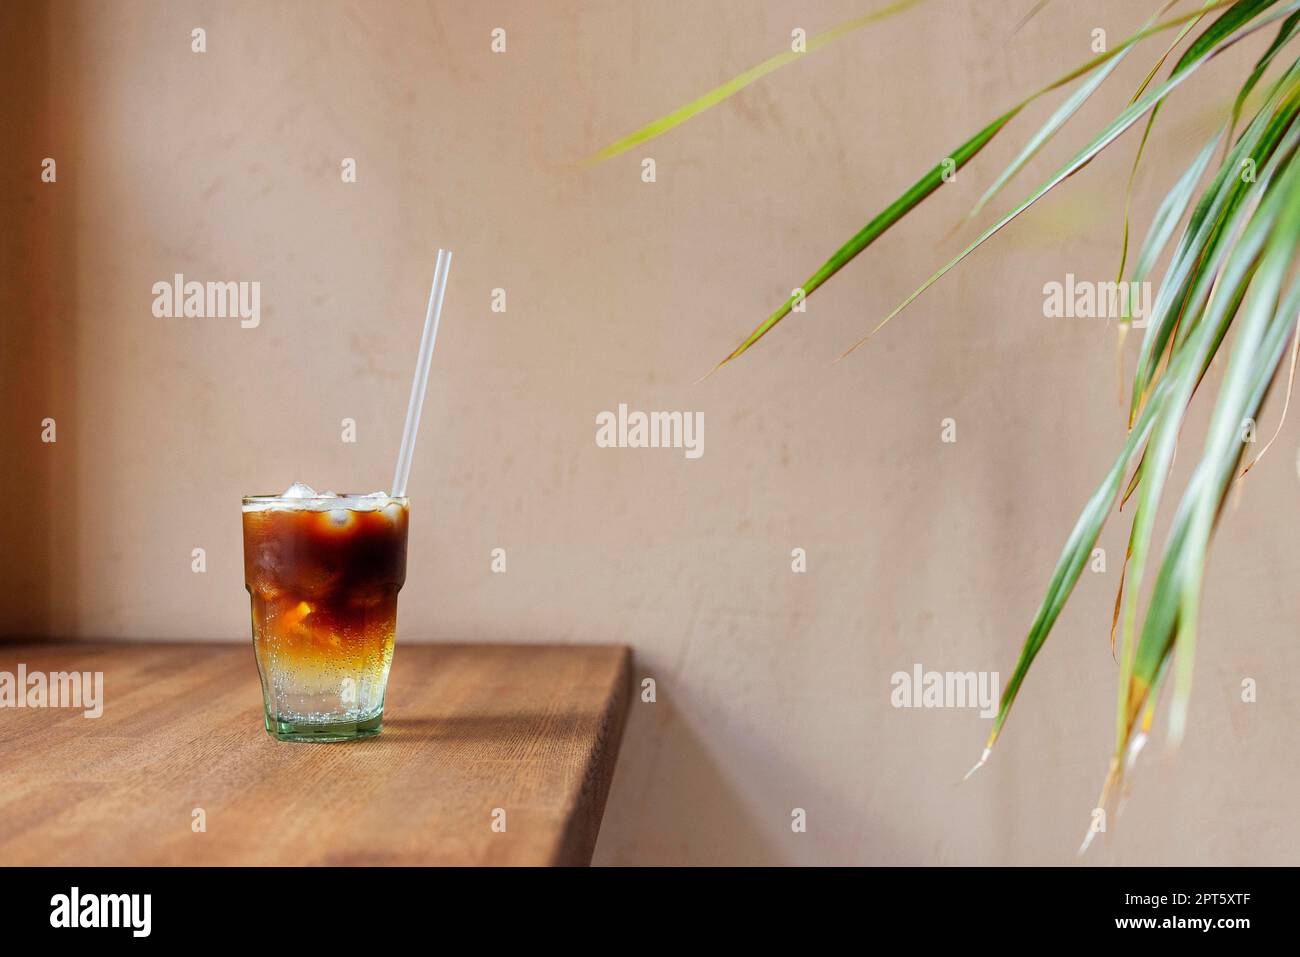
{"x": 468, "y": 729}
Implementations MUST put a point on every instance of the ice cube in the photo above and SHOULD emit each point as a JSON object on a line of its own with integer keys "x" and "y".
{"x": 264, "y": 570}
{"x": 315, "y": 580}
{"x": 338, "y": 519}
{"x": 369, "y": 502}
{"x": 299, "y": 490}
{"x": 369, "y": 595}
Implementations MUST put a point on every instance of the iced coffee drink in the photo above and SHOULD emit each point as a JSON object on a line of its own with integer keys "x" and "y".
{"x": 323, "y": 571}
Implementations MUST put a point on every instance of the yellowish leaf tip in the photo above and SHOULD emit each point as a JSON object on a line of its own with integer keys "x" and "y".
{"x": 713, "y": 370}
{"x": 979, "y": 764}
{"x": 1177, "y": 724}
{"x": 1087, "y": 840}
{"x": 1134, "y": 749}
{"x": 854, "y": 348}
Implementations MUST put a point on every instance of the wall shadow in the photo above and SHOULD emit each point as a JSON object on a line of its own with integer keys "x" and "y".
{"x": 38, "y": 298}
{"x": 670, "y": 804}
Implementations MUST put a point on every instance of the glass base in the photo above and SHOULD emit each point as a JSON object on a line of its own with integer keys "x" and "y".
{"x": 324, "y": 732}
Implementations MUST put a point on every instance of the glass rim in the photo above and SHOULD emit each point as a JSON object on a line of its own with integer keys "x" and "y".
{"x": 340, "y": 497}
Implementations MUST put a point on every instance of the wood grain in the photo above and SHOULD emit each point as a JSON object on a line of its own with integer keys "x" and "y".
{"x": 531, "y": 729}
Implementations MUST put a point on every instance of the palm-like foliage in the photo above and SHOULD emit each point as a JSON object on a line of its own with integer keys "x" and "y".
{"x": 1232, "y": 265}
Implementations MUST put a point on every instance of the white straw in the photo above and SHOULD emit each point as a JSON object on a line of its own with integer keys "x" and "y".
{"x": 421, "y": 381}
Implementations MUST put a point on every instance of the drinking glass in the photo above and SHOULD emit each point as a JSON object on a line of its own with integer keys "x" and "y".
{"x": 323, "y": 573}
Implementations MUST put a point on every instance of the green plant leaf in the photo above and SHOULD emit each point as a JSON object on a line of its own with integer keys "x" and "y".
{"x": 1085, "y": 156}
{"x": 918, "y": 191}
{"x": 1265, "y": 255}
{"x": 923, "y": 187}
{"x": 1057, "y": 120}
{"x": 1156, "y": 426}
{"x": 1172, "y": 209}
{"x": 1252, "y": 228}
{"x": 1142, "y": 143}
{"x": 1204, "y": 233}
{"x": 663, "y": 124}
{"x": 1285, "y": 34}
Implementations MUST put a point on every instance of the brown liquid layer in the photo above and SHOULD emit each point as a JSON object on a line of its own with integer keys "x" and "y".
{"x": 324, "y": 583}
